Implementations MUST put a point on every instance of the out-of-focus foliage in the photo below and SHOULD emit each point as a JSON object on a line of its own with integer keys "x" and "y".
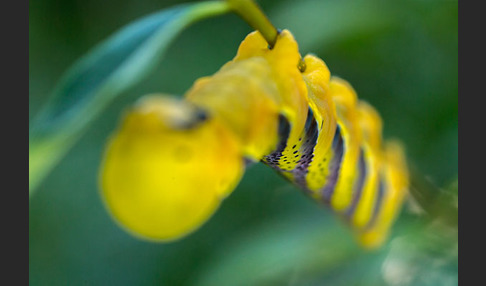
{"x": 97, "y": 78}
{"x": 401, "y": 56}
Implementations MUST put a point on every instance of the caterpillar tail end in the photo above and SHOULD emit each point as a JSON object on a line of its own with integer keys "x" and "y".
{"x": 167, "y": 168}
{"x": 397, "y": 179}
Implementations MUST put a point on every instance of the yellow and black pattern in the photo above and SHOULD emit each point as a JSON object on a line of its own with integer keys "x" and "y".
{"x": 162, "y": 179}
{"x": 369, "y": 186}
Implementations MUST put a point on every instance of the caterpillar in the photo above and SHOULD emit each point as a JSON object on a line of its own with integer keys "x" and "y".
{"x": 173, "y": 161}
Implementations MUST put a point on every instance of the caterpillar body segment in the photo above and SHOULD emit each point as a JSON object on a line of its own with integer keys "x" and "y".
{"x": 250, "y": 92}
{"x": 307, "y": 125}
{"x": 395, "y": 179}
{"x": 345, "y": 99}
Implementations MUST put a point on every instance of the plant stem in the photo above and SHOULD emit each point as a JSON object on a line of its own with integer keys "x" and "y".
{"x": 249, "y": 11}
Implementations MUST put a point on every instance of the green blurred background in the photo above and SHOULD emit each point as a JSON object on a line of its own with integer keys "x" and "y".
{"x": 401, "y": 56}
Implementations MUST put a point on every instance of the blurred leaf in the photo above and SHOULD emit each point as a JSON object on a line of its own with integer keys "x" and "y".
{"x": 97, "y": 78}
{"x": 309, "y": 250}
{"x": 316, "y": 24}
{"x": 289, "y": 249}
{"x": 426, "y": 254}
{"x": 436, "y": 203}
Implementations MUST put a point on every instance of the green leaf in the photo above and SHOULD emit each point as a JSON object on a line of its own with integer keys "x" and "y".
{"x": 96, "y": 79}
{"x": 281, "y": 252}
{"x": 320, "y": 24}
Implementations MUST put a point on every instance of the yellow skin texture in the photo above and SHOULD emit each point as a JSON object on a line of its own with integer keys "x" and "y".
{"x": 317, "y": 77}
{"x": 166, "y": 170}
{"x": 397, "y": 175}
{"x": 249, "y": 92}
{"x": 345, "y": 100}
{"x": 160, "y": 181}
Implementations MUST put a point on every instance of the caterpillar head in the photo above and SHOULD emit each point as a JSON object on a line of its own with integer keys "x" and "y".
{"x": 164, "y": 172}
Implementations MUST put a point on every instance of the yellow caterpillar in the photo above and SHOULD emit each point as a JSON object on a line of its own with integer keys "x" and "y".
{"x": 172, "y": 162}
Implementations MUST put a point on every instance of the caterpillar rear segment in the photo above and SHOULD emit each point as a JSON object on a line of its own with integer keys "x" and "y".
{"x": 362, "y": 181}
{"x": 172, "y": 162}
